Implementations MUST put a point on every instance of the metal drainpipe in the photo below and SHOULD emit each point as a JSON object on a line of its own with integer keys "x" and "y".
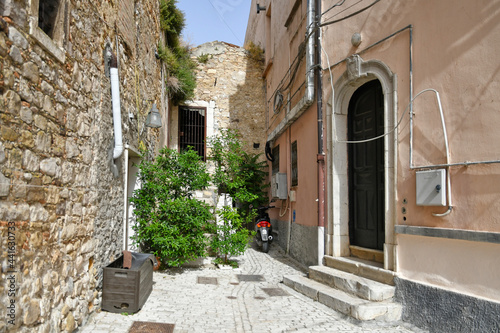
{"x": 321, "y": 154}
{"x": 311, "y": 12}
{"x": 115, "y": 97}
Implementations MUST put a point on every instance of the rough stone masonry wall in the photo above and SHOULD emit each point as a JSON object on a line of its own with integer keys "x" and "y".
{"x": 231, "y": 82}
{"x": 61, "y": 206}
{"x": 230, "y": 86}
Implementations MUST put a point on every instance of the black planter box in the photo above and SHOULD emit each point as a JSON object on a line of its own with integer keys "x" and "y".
{"x": 126, "y": 290}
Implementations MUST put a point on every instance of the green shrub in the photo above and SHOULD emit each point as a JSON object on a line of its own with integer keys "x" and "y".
{"x": 231, "y": 238}
{"x": 169, "y": 222}
{"x": 241, "y": 176}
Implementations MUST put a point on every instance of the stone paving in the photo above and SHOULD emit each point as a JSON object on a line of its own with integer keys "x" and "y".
{"x": 232, "y": 305}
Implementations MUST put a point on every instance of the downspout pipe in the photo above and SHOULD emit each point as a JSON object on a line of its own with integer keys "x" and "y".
{"x": 321, "y": 152}
{"x": 115, "y": 98}
{"x": 311, "y": 13}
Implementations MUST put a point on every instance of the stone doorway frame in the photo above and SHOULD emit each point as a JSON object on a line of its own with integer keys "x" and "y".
{"x": 356, "y": 74}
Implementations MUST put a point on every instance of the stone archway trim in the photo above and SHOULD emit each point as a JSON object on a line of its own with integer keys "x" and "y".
{"x": 357, "y": 73}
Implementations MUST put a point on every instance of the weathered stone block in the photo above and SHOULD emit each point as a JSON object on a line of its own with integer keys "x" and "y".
{"x": 71, "y": 149}
{"x": 38, "y": 213}
{"x": 17, "y": 38}
{"x": 40, "y": 122}
{"x": 49, "y": 166}
{"x": 31, "y": 312}
{"x": 26, "y": 115}
{"x": 27, "y": 139}
{"x": 8, "y": 134}
{"x": 37, "y": 192}
{"x": 13, "y": 102}
{"x": 15, "y": 54}
{"x": 4, "y": 185}
{"x": 31, "y": 162}
{"x": 47, "y": 89}
{"x": 19, "y": 189}
{"x": 42, "y": 142}
{"x": 8, "y": 77}
{"x": 4, "y": 49}
{"x": 68, "y": 174}
{"x": 30, "y": 71}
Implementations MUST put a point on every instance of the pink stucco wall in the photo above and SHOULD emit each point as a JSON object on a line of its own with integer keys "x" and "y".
{"x": 453, "y": 50}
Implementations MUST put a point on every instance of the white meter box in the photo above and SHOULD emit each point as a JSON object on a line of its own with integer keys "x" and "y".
{"x": 279, "y": 189}
{"x": 431, "y": 188}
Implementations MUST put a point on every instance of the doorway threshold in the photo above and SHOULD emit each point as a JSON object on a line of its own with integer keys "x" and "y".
{"x": 364, "y": 268}
{"x": 369, "y": 255}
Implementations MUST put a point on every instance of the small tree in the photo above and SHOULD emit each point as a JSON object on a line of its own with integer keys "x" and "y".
{"x": 239, "y": 175}
{"x": 231, "y": 238}
{"x": 169, "y": 222}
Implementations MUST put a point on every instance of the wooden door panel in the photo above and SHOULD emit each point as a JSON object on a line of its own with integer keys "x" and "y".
{"x": 366, "y": 167}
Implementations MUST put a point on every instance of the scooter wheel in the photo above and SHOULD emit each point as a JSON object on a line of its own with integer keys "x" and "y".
{"x": 265, "y": 247}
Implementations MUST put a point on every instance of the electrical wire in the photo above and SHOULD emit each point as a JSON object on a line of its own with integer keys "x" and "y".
{"x": 346, "y": 8}
{"x": 397, "y": 125}
{"x": 224, "y": 21}
{"x": 340, "y": 3}
{"x": 286, "y": 207}
{"x": 348, "y": 16}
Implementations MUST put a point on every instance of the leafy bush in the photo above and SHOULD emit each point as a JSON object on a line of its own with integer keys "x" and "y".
{"x": 231, "y": 239}
{"x": 169, "y": 222}
{"x": 241, "y": 176}
{"x": 237, "y": 172}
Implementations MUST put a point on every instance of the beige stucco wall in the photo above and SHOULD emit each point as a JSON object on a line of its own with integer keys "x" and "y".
{"x": 467, "y": 267}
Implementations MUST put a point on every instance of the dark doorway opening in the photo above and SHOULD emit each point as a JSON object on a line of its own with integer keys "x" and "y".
{"x": 366, "y": 167}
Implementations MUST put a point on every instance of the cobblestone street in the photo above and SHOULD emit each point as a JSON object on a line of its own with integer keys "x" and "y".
{"x": 236, "y": 305}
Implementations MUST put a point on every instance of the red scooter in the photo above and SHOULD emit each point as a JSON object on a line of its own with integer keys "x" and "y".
{"x": 263, "y": 228}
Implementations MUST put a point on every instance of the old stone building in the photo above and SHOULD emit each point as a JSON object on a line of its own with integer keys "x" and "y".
{"x": 63, "y": 163}
{"x": 229, "y": 94}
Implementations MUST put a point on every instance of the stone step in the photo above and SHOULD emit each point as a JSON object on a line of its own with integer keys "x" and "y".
{"x": 343, "y": 302}
{"x": 360, "y": 269}
{"x": 355, "y": 285}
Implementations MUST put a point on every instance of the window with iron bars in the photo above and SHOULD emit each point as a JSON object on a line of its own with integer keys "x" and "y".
{"x": 192, "y": 129}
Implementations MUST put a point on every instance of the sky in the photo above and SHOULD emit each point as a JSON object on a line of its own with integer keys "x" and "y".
{"x": 211, "y": 20}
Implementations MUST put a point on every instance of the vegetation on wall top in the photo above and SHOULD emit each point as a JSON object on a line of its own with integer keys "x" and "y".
{"x": 181, "y": 80}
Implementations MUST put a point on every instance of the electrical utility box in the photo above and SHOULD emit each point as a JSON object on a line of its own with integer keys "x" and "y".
{"x": 279, "y": 188}
{"x": 431, "y": 188}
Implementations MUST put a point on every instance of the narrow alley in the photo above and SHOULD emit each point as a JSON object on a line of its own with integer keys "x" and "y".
{"x": 251, "y": 298}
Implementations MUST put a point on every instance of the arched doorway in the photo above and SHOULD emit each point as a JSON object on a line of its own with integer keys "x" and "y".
{"x": 349, "y": 87}
{"x": 366, "y": 167}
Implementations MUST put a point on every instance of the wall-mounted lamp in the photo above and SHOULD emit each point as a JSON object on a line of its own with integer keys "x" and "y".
{"x": 154, "y": 118}
{"x": 259, "y": 8}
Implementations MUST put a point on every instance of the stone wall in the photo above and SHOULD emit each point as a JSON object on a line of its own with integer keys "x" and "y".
{"x": 230, "y": 86}
{"x": 61, "y": 192}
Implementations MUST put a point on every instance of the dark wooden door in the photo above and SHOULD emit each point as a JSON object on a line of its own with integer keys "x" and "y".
{"x": 366, "y": 167}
